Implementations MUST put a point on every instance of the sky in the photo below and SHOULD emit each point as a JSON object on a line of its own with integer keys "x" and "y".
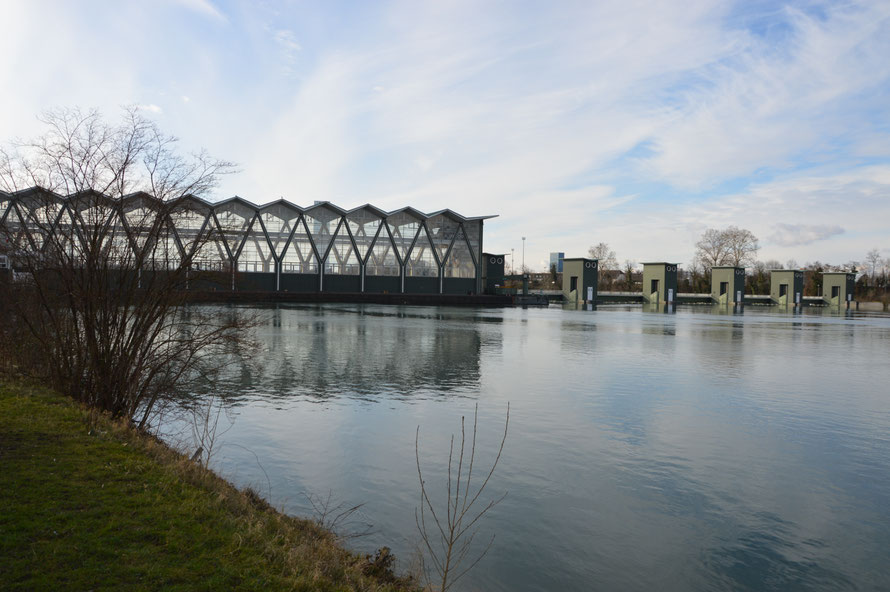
{"x": 638, "y": 124}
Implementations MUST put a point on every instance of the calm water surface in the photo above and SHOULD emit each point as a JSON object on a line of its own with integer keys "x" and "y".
{"x": 700, "y": 450}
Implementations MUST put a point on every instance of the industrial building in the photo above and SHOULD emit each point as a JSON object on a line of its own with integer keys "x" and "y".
{"x": 660, "y": 282}
{"x": 786, "y": 286}
{"x": 728, "y": 284}
{"x": 493, "y": 275}
{"x": 275, "y": 247}
{"x": 838, "y": 287}
{"x": 557, "y": 260}
{"x": 579, "y": 280}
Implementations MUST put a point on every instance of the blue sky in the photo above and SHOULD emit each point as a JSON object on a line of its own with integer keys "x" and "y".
{"x": 635, "y": 123}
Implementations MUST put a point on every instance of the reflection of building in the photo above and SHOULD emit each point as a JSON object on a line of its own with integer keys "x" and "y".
{"x": 557, "y": 259}
{"x": 367, "y": 351}
{"x": 274, "y": 247}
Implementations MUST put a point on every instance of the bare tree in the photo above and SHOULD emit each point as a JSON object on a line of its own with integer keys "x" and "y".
{"x": 742, "y": 246}
{"x": 606, "y": 256}
{"x": 629, "y": 275}
{"x": 91, "y": 229}
{"x": 711, "y": 249}
{"x": 448, "y": 536}
{"x": 873, "y": 258}
{"x": 731, "y": 246}
{"x": 698, "y": 280}
{"x": 608, "y": 262}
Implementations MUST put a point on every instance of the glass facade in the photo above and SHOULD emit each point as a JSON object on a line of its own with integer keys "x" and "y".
{"x": 312, "y": 246}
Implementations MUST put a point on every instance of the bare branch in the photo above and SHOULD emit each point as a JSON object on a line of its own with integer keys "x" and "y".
{"x": 455, "y": 535}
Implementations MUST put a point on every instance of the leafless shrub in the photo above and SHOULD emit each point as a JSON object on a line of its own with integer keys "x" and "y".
{"x": 343, "y": 519}
{"x": 205, "y": 428}
{"x": 100, "y": 272}
{"x": 448, "y": 536}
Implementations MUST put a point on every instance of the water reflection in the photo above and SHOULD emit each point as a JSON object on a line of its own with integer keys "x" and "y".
{"x": 700, "y": 449}
{"x": 363, "y": 352}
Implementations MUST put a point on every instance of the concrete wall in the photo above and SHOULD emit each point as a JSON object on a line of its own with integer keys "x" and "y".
{"x": 379, "y": 284}
{"x": 492, "y": 271}
{"x": 732, "y": 281}
{"x": 838, "y": 287}
{"x": 586, "y": 273}
{"x": 421, "y": 285}
{"x": 458, "y": 285}
{"x": 792, "y": 279}
{"x": 255, "y": 282}
{"x": 342, "y": 283}
{"x": 664, "y": 276}
{"x": 210, "y": 281}
{"x": 299, "y": 282}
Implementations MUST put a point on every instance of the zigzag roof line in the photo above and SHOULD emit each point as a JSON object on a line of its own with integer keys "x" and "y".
{"x": 215, "y": 205}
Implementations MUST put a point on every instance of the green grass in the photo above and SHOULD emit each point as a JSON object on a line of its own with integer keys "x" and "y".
{"x": 95, "y": 505}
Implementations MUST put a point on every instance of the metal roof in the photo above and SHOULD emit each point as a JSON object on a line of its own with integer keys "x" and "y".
{"x": 214, "y": 205}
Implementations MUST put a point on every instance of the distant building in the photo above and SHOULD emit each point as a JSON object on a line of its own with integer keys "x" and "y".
{"x": 728, "y": 284}
{"x": 579, "y": 282}
{"x": 280, "y": 246}
{"x": 557, "y": 259}
{"x": 660, "y": 282}
{"x": 838, "y": 287}
{"x": 786, "y": 286}
{"x": 492, "y": 272}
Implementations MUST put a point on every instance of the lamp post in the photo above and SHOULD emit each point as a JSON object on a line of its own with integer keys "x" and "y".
{"x": 512, "y": 268}
{"x": 523, "y": 254}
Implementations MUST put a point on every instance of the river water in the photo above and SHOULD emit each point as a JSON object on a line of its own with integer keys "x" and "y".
{"x": 695, "y": 450}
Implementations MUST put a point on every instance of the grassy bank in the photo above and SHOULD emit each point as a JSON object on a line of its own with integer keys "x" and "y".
{"x": 98, "y": 506}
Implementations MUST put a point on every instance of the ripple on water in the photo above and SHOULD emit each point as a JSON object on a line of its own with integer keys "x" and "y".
{"x": 687, "y": 451}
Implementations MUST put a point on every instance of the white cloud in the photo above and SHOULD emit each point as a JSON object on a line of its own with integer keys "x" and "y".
{"x": 151, "y": 107}
{"x": 768, "y": 104}
{"x": 287, "y": 39}
{"x": 204, "y": 7}
{"x": 791, "y": 235}
{"x": 567, "y": 123}
{"x": 825, "y": 215}
{"x": 307, "y": 147}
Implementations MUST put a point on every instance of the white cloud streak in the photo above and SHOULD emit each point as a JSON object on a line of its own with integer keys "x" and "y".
{"x": 621, "y": 122}
{"x": 203, "y": 7}
{"x": 792, "y": 235}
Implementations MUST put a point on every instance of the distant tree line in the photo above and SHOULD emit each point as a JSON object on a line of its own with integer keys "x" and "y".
{"x": 738, "y": 247}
